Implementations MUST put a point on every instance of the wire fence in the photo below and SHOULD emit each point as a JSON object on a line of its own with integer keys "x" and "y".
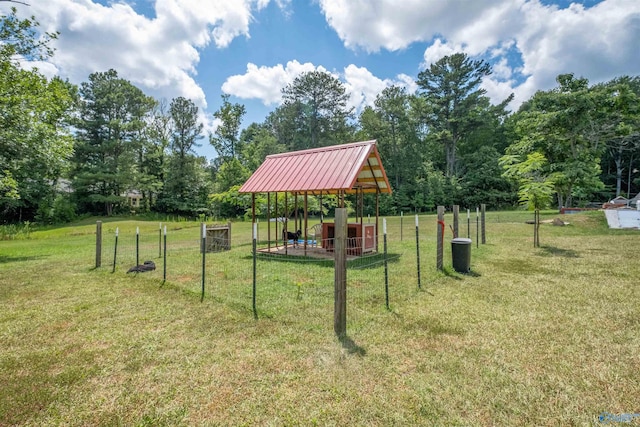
{"x": 290, "y": 280}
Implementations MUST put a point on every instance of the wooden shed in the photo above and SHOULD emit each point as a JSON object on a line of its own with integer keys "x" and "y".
{"x": 354, "y": 168}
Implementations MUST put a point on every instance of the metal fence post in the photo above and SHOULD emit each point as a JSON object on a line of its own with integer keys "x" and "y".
{"x": 440, "y": 247}
{"x": 477, "y": 227}
{"x": 483, "y": 209}
{"x": 115, "y": 252}
{"x": 204, "y": 262}
{"x": 98, "y": 243}
{"x": 386, "y": 267}
{"x": 456, "y": 213}
{"x": 418, "y": 251}
{"x": 164, "y": 253}
{"x": 255, "y": 265}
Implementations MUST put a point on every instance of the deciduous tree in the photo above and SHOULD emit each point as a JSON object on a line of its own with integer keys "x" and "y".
{"x": 257, "y": 143}
{"x": 226, "y": 139}
{"x": 535, "y": 183}
{"x": 187, "y": 184}
{"x": 562, "y": 124}
{"x": 619, "y": 125}
{"x": 35, "y": 142}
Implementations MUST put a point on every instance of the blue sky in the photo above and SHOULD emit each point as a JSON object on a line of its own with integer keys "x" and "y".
{"x": 250, "y": 49}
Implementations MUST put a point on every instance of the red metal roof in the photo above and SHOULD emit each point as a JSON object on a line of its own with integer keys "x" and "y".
{"x": 334, "y": 169}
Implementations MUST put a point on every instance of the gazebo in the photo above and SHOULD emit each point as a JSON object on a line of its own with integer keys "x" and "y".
{"x": 354, "y": 168}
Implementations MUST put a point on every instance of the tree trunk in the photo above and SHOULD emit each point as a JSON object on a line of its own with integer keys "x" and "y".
{"x": 618, "y": 161}
{"x": 535, "y": 229}
{"x": 629, "y": 179}
{"x": 450, "y": 152}
{"x": 538, "y": 231}
{"x": 560, "y": 199}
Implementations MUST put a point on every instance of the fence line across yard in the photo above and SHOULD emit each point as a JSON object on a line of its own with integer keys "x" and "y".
{"x": 268, "y": 284}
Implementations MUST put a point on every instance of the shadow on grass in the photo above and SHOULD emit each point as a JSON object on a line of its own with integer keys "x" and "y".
{"x": 351, "y": 347}
{"x": 450, "y": 272}
{"x": 553, "y": 251}
{"x": 358, "y": 263}
{"x": 426, "y": 291}
{"x": 4, "y": 259}
{"x": 372, "y": 261}
{"x": 291, "y": 259}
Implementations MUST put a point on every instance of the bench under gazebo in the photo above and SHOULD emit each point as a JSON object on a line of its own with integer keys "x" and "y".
{"x": 354, "y": 168}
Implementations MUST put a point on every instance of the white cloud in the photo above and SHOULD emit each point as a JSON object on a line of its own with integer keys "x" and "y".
{"x": 593, "y": 42}
{"x": 45, "y": 68}
{"x": 363, "y": 87}
{"x": 438, "y": 50}
{"x": 498, "y": 91}
{"x": 159, "y": 55}
{"x": 502, "y": 70}
{"x": 408, "y": 82}
{"x": 266, "y": 83}
{"x": 598, "y": 42}
{"x": 394, "y": 25}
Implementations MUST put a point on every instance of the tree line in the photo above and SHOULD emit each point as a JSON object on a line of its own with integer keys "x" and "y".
{"x": 105, "y": 147}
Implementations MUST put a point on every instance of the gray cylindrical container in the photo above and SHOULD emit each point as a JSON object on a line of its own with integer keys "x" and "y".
{"x": 461, "y": 254}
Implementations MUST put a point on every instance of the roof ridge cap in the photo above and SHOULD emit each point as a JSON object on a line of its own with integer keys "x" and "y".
{"x": 321, "y": 149}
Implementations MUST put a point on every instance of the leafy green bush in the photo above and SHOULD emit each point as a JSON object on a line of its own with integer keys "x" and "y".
{"x": 60, "y": 210}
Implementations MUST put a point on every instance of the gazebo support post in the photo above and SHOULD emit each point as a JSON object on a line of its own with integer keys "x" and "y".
{"x": 377, "y": 214}
{"x": 253, "y": 208}
{"x": 360, "y": 203}
{"x": 362, "y": 206}
{"x": 306, "y": 221}
{"x": 277, "y": 218}
{"x": 285, "y": 228}
{"x": 295, "y": 215}
{"x": 377, "y": 202}
{"x": 269, "y": 222}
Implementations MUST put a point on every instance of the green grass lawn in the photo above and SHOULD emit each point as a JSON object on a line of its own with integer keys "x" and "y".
{"x": 534, "y": 336}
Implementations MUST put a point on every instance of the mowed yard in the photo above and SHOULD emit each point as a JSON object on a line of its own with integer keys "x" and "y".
{"x": 535, "y": 336}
